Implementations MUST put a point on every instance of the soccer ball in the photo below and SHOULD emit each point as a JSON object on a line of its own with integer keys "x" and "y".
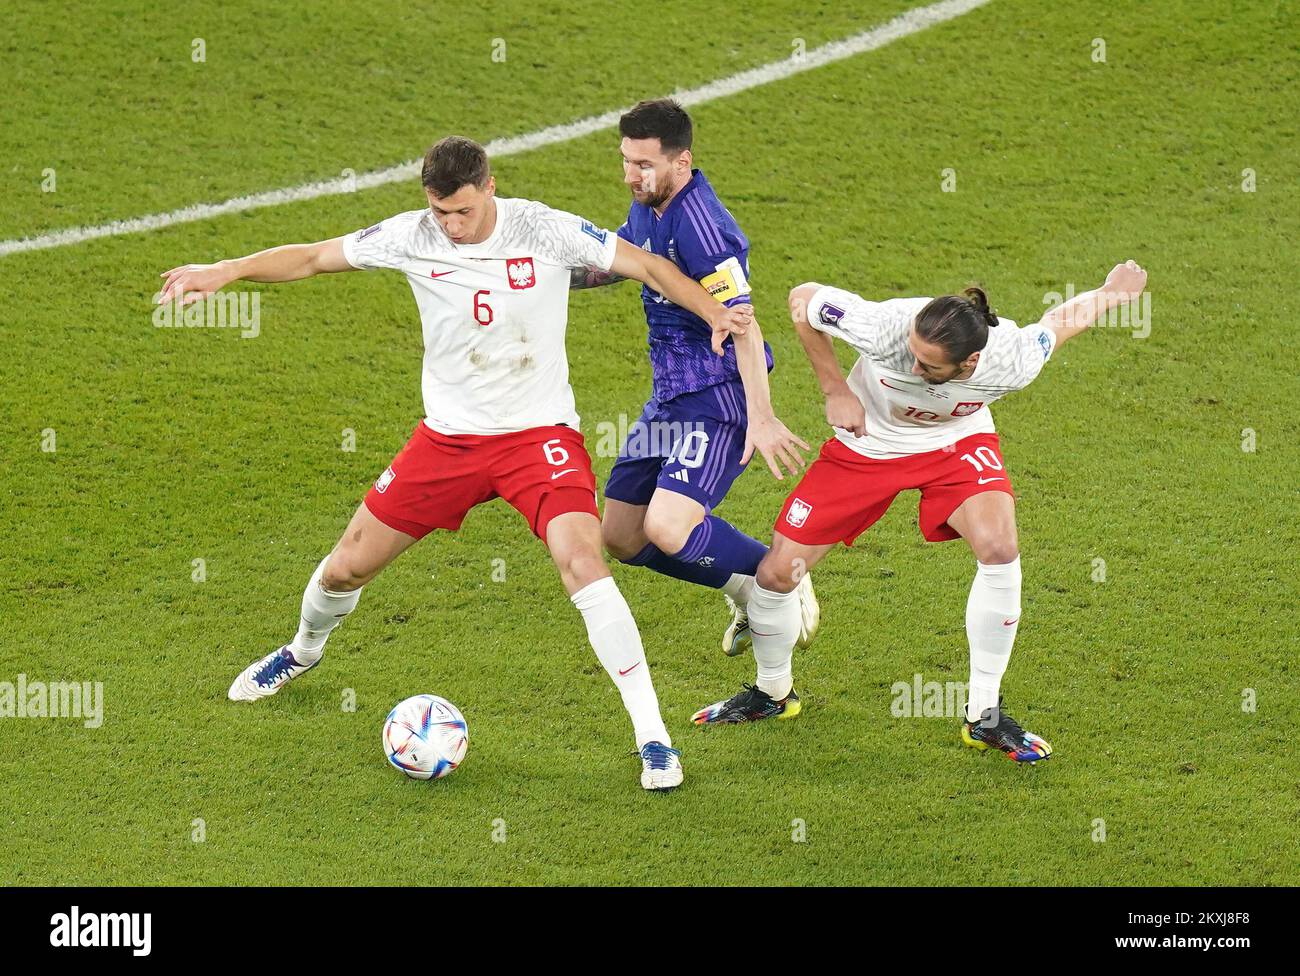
{"x": 425, "y": 737}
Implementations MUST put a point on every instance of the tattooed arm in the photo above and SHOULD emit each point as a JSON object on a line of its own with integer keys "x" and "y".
{"x": 591, "y": 278}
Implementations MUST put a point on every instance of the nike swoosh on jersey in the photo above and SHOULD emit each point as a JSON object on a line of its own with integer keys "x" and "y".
{"x": 441, "y": 274}
{"x": 985, "y": 481}
{"x": 900, "y": 389}
{"x": 565, "y": 471}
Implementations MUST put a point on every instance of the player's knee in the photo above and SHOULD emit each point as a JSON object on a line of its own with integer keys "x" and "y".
{"x": 776, "y": 574}
{"x": 997, "y": 550}
{"x": 583, "y": 565}
{"x": 668, "y": 534}
{"x": 621, "y": 546}
{"x": 342, "y": 575}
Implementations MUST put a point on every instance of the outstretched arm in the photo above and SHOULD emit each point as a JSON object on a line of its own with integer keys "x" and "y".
{"x": 843, "y": 408}
{"x": 1123, "y": 285}
{"x": 287, "y": 263}
{"x": 764, "y": 431}
{"x": 664, "y": 277}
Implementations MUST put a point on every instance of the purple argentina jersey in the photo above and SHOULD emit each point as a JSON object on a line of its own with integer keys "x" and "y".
{"x": 699, "y": 235}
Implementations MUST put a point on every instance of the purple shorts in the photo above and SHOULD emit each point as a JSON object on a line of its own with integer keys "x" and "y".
{"x": 690, "y": 444}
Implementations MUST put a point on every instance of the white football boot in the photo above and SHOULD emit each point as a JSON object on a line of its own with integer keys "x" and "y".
{"x": 661, "y": 767}
{"x": 738, "y": 639}
{"x": 810, "y": 612}
{"x": 268, "y": 675}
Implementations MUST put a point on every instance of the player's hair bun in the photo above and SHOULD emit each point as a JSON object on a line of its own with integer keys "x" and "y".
{"x": 980, "y": 301}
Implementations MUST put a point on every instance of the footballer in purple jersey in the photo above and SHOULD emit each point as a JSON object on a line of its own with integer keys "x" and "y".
{"x": 697, "y": 233}
{"x": 707, "y": 413}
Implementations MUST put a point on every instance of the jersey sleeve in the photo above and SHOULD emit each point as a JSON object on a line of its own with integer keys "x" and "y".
{"x": 569, "y": 240}
{"x": 864, "y": 325}
{"x": 1024, "y": 357}
{"x": 383, "y": 245}
{"x": 714, "y": 256}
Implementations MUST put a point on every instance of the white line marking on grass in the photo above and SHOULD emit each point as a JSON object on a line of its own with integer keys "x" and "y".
{"x": 905, "y": 24}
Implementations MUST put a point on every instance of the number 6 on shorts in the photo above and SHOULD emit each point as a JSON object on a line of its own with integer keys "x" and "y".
{"x": 555, "y": 452}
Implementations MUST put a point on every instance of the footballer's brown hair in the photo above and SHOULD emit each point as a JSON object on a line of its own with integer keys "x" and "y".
{"x": 958, "y": 323}
{"x": 453, "y": 162}
{"x": 658, "y": 118}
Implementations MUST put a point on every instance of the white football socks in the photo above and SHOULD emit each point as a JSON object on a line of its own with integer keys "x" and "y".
{"x": 617, "y": 642}
{"x": 992, "y": 618}
{"x": 322, "y": 611}
{"x": 739, "y": 588}
{"x": 774, "y": 626}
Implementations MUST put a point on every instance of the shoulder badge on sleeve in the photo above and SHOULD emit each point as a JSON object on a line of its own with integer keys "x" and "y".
{"x": 830, "y": 315}
{"x": 1046, "y": 343}
{"x": 591, "y": 230}
{"x": 369, "y": 230}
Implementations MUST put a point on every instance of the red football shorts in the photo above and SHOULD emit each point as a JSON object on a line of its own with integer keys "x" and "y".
{"x": 843, "y": 493}
{"x": 437, "y": 478}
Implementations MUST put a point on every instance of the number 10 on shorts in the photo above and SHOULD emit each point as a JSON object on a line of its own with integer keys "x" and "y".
{"x": 983, "y": 454}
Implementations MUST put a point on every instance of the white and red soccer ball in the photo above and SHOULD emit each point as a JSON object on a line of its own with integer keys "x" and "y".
{"x": 425, "y": 737}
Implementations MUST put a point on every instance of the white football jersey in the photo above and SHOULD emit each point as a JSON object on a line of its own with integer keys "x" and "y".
{"x": 493, "y": 314}
{"x": 905, "y": 414}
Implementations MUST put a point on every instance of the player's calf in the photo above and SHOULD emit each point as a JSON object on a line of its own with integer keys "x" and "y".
{"x": 739, "y": 638}
{"x": 574, "y": 542}
{"x": 323, "y": 609}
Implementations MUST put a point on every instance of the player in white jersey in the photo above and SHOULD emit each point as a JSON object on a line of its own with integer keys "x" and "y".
{"x": 913, "y": 414}
{"x": 491, "y": 280}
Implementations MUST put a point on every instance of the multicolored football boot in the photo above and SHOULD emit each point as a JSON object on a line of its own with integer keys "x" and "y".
{"x": 748, "y": 705}
{"x": 998, "y": 730}
{"x": 268, "y": 675}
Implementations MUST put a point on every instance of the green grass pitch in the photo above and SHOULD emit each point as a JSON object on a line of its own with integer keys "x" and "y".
{"x": 1169, "y": 689}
